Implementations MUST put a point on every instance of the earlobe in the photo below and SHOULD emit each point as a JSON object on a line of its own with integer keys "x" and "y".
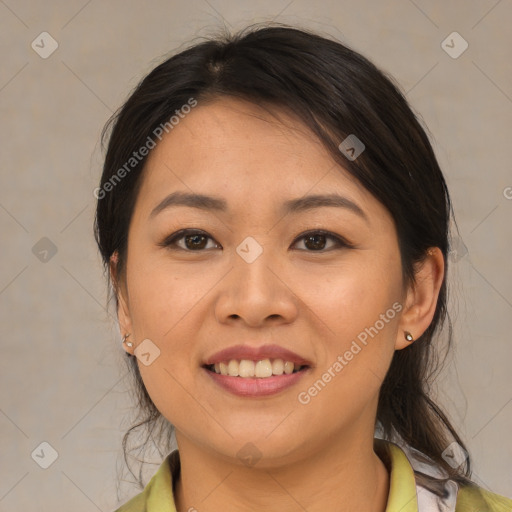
{"x": 124, "y": 340}
{"x": 123, "y": 312}
{"x": 422, "y": 296}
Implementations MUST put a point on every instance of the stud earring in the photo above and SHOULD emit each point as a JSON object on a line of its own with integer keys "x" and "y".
{"x": 128, "y": 343}
{"x": 408, "y": 336}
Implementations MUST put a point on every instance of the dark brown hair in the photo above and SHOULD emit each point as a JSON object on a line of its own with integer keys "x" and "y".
{"x": 335, "y": 92}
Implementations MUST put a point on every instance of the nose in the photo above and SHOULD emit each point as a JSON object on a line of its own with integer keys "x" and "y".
{"x": 256, "y": 294}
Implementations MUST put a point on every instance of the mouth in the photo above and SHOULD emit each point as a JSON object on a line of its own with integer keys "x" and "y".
{"x": 259, "y": 369}
{"x": 256, "y": 379}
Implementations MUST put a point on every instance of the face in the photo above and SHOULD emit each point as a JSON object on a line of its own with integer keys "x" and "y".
{"x": 323, "y": 282}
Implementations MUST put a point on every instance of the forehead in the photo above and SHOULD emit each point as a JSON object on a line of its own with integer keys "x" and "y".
{"x": 241, "y": 151}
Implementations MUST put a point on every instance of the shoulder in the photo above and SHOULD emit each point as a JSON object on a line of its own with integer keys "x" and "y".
{"x": 415, "y": 475}
{"x": 136, "y": 504}
{"x": 474, "y": 498}
{"x": 157, "y": 496}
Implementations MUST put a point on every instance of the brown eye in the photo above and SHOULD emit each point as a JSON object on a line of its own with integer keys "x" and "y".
{"x": 197, "y": 241}
{"x": 316, "y": 241}
{"x": 193, "y": 240}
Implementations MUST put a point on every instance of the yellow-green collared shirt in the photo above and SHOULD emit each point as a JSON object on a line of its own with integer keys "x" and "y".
{"x": 405, "y": 495}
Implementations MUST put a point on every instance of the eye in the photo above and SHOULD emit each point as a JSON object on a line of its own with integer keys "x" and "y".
{"x": 194, "y": 240}
{"x": 316, "y": 240}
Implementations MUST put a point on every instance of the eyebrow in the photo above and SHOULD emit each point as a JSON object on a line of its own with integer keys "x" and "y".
{"x": 301, "y": 204}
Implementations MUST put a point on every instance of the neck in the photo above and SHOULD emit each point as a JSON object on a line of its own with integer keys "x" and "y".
{"x": 343, "y": 477}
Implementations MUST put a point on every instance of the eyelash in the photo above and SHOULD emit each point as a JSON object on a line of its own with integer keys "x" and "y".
{"x": 171, "y": 240}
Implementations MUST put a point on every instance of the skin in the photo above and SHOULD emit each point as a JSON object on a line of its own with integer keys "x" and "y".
{"x": 314, "y": 457}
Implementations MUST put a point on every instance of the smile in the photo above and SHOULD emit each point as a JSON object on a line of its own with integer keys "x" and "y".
{"x": 248, "y": 386}
{"x": 262, "y": 369}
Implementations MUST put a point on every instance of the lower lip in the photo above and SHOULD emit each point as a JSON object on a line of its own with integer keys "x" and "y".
{"x": 256, "y": 387}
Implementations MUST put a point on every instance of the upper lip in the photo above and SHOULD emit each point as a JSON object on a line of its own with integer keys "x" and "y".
{"x": 256, "y": 354}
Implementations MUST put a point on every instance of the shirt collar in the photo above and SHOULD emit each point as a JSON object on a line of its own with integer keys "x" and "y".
{"x": 404, "y": 493}
{"x": 402, "y": 484}
{"x": 159, "y": 491}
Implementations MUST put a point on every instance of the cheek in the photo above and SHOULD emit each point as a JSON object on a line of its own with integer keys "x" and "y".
{"x": 359, "y": 308}
{"x": 353, "y": 362}
{"x": 162, "y": 295}
{"x": 351, "y": 297}
{"x": 167, "y": 306}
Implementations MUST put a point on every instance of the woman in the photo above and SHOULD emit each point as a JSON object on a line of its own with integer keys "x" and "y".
{"x": 275, "y": 226}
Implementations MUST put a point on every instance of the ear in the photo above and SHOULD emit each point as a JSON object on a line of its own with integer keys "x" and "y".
{"x": 123, "y": 310}
{"x": 421, "y": 297}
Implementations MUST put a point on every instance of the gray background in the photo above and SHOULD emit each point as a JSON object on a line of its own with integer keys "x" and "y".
{"x": 62, "y": 370}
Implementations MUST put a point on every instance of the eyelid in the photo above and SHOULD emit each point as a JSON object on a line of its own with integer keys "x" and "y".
{"x": 174, "y": 237}
{"x": 338, "y": 239}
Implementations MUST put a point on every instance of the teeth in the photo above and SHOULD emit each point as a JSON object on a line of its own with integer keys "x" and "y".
{"x": 263, "y": 368}
{"x": 223, "y": 368}
{"x": 288, "y": 367}
{"x": 246, "y": 368}
{"x": 233, "y": 368}
{"x": 278, "y": 367}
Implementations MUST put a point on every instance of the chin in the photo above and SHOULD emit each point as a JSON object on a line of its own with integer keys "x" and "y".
{"x": 252, "y": 449}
